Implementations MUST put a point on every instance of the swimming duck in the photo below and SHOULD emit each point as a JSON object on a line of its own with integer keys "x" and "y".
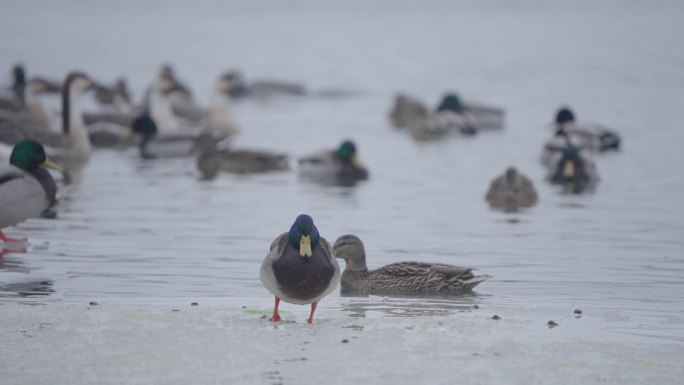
{"x": 154, "y": 145}
{"x": 26, "y": 187}
{"x": 32, "y": 119}
{"x": 406, "y": 110}
{"x": 211, "y": 160}
{"x": 238, "y": 88}
{"x": 572, "y": 169}
{"x": 300, "y": 267}
{"x": 340, "y": 166}
{"x": 402, "y": 278}
{"x": 14, "y": 100}
{"x": 587, "y": 136}
{"x": 511, "y": 191}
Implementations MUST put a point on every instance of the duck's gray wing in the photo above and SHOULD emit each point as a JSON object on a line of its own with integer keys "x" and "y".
{"x": 451, "y": 271}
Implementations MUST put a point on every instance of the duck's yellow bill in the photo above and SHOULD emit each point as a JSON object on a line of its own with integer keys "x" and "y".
{"x": 569, "y": 169}
{"x": 356, "y": 162}
{"x": 305, "y": 246}
{"x": 50, "y": 164}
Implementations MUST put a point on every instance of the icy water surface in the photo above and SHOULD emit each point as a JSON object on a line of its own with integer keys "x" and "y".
{"x": 140, "y": 233}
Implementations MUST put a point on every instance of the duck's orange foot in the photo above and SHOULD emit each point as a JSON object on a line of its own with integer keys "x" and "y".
{"x": 7, "y": 239}
{"x": 275, "y": 318}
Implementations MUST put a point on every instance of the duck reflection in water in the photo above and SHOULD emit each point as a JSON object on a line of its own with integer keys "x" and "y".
{"x": 15, "y": 277}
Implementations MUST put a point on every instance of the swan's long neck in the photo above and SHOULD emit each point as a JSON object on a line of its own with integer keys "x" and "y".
{"x": 221, "y": 122}
{"x": 162, "y": 113}
{"x": 73, "y": 125}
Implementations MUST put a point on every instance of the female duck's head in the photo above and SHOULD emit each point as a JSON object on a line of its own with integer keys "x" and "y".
{"x": 28, "y": 154}
{"x": 303, "y": 235}
{"x": 350, "y": 248}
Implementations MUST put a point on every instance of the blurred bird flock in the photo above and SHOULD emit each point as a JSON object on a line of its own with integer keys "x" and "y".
{"x": 66, "y": 121}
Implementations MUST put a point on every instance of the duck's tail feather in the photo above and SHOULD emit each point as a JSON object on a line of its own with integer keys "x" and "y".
{"x": 469, "y": 284}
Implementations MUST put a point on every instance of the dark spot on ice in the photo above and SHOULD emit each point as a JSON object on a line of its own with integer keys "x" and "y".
{"x": 92, "y": 303}
{"x": 496, "y": 317}
{"x": 344, "y": 341}
{"x": 476, "y": 307}
{"x": 578, "y": 311}
{"x": 551, "y": 324}
{"x": 194, "y": 304}
{"x": 175, "y": 310}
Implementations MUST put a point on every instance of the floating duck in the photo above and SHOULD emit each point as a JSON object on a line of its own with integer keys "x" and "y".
{"x": 32, "y": 119}
{"x": 153, "y": 145}
{"x": 340, "y": 166}
{"x": 511, "y": 191}
{"x": 572, "y": 169}
{"x": 239, "y": 88}
{"x": 211, "y": 159}
{"x": 300, "y": 267}
{"x": 403, "y": 278}
{"x": 586, "y": 136}
{"x": 26, "y": 187}
{"x": 219, "y": 121}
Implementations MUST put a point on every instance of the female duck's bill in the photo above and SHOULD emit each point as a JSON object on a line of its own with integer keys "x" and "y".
{"x": 300, "y": 267}
{"x": 26, "y": 188}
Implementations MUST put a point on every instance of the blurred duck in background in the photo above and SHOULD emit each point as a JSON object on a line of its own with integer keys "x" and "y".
{"x": 153, "y": 144}
{"x": 587, "y": 136}
{"x": 402, "y": 278}
{"x": 573, "y": 170}
{"x": 340, "y": 166}
{"x": 32, "y": 119}
{"x": 212, "y": 159}
{"x": 182, "y": 105}
{"x": 71, "y": 148}
{"x": 219, "y": 121}
{"x": 511, "y": 191}
{"x": 239, "y": 88}
{"x": 12, "y": 99}
{"x": 26, "y": 187}
{"x": 452, "y": 115}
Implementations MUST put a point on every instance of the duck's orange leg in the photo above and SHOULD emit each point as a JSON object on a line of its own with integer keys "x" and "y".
{"x": 313, "y": 309}
{"x": 276, "y": 316}
{"x": 7, "y": 239}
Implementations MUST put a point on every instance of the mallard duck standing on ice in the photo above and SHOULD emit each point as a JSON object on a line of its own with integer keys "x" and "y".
{"x": 300, "y": 267}
{"x": 26, "y": 187}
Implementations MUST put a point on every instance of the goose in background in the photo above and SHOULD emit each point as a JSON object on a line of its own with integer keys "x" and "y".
{"x": 219, "y": 121}
{"x": 300, "y": 267}
{"x": 402, "y": 278}
{"x": 26, "y": 187}
{"x": 340, "y": 166}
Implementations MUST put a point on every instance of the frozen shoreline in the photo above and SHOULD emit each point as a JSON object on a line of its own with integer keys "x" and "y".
{"x": 151, "y": 343}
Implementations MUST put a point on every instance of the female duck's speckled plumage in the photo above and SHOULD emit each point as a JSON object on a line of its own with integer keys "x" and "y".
{"x": 26, "y": 188}
{"x": 403, "y": 278}
{"x": 300, "y": 267}
{"x": 211, "y": 160}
